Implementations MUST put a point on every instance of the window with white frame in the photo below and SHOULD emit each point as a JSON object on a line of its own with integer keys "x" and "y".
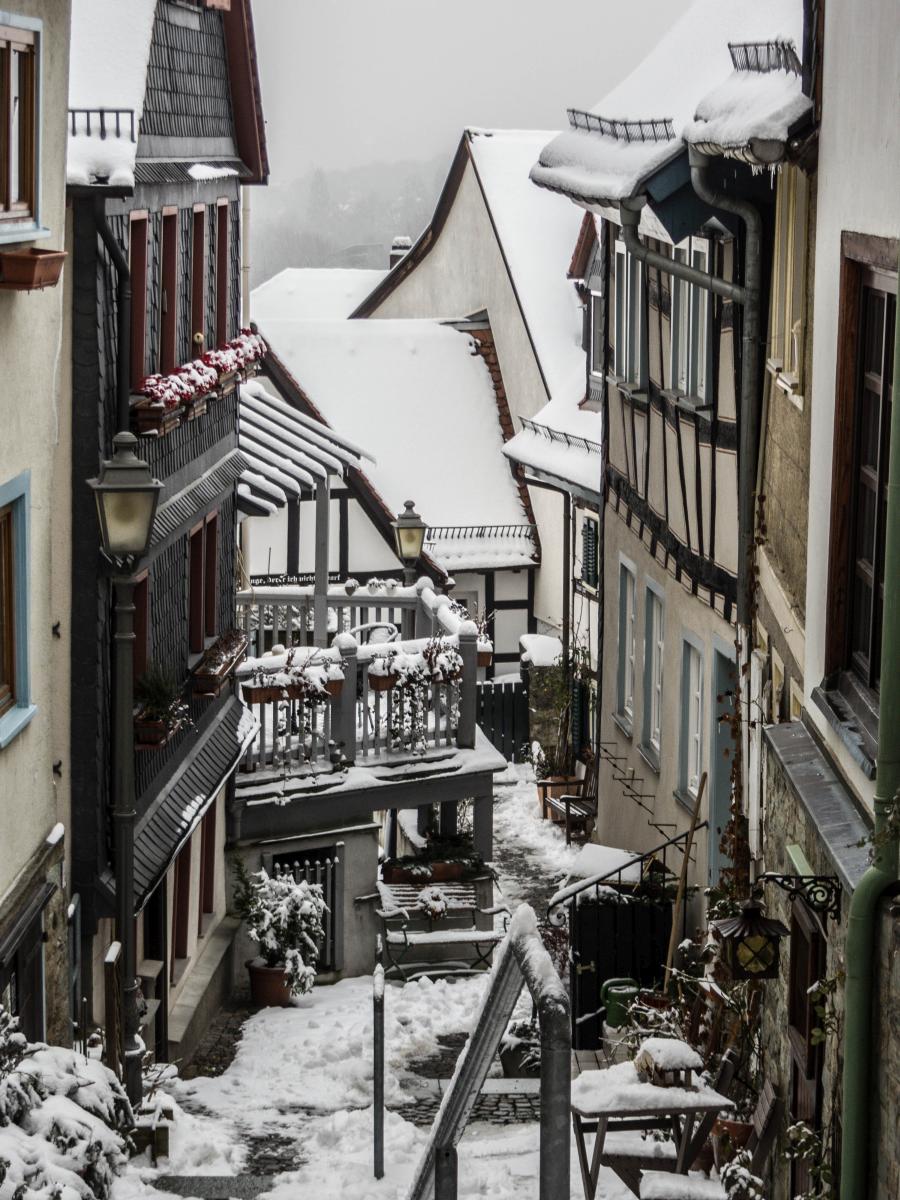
{"x": 629, "y": 354}
{"x": 598, "y": 339}
{"x": 691, "y": 719}
{"x": 19, "y": 125}
{"x": 625, "y": 698}
{"x": 654, "y": 649}
{"x": 690, "y": 323}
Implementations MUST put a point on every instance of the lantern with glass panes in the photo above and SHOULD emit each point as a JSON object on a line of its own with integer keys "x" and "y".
{"x": 409, "y": 538}
{"x": 127, "y": 496}
{"x": 750, "y": 942}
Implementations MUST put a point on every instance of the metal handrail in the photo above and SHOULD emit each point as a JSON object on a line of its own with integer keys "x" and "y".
{"x": 763, "y": 57}
{"x": 651, "y": 129}
{"x": 568, "y": 894}
{"x": 436, "y": 533}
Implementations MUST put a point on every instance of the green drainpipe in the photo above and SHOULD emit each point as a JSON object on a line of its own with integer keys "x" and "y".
{"x": 861, "y": 923}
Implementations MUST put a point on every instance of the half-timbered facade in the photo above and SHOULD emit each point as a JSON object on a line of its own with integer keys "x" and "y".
{"x": 158, "y": 152}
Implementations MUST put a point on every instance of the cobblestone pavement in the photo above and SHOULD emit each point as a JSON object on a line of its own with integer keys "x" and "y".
{"x": 215, "y": 1053}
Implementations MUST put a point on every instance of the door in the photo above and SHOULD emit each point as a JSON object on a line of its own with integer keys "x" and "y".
{"x": 22, "y": 982}
{"x": 724, "y": 682}
{"x": 807, "y": 966}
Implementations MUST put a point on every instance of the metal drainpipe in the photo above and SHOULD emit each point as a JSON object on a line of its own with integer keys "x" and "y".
{"x": 123, "y": 306}
{"x": 861, "y": 922}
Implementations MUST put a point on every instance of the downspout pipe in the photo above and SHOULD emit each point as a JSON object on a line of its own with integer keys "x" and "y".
{"x": 864, "y": 906}
{"x": 123, "y": 311}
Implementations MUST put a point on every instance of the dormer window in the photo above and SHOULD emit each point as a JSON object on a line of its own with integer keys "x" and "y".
{"x": 690, "y": 323}
{"x": 630, "y": 354}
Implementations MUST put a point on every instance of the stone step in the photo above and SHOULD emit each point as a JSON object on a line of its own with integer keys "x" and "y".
{"x": 215, "y": 1187}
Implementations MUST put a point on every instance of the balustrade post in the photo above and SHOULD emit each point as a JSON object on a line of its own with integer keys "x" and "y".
{"x": 424, "y": 618}
{"x": 468, "y": 649}
{"x": 343, "y": 709}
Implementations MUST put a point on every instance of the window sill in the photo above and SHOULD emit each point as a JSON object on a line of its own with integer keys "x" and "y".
{"x": 685, "y": 799}
{"x": 786, "y": 382}
{"x": 839, "y": 714}
{"x": 623, "y": 722}
{"x": 632, "y": 390}
{"x": 13, "y": 722}
{"x": 22, "y": 232}
{"x": 686, "y": 402}
{"x": 650, "y": 755}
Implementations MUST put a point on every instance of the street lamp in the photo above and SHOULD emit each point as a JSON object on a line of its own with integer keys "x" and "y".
{"x": 750, "y": 942}
{"x": 409, "y": 538}
{"x": 127, "y": 496}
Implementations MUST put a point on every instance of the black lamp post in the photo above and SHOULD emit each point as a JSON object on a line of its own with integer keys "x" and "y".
{"x": 750, "y": 942}
{"x": 127, "y": 496}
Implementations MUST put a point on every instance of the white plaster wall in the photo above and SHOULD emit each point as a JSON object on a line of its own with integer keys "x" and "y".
{"x": 34, "y": 418}
{"x": 465, "y": 272}
{"x": 859, "y": 186}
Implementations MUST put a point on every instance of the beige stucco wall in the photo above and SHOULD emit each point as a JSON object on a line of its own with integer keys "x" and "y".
{"x": 861, "y": 60}
{"x": 463, "y": 273}
{"x": 621, "y": 822}
{"x": 34, "y": 419}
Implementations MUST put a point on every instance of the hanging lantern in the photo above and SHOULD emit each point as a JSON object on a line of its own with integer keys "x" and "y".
{"x": 750, "y": 942}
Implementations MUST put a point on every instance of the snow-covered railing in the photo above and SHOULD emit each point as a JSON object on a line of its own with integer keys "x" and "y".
{"x": 449, "y": 533}
{"x": 560, "y": 435}
{"x": 323, "y": 708}
{"x": 520, "y": 958}
{"x": 107, "y": 121}
{"x": 653, "y": 129}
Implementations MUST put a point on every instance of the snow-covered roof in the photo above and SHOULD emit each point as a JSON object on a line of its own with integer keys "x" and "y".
{"x": 563, "y": 440}
{"x": 312, "y": 293}
{"x": 287, "y": 451}
{"x": 753, "y": 105}
{"x": 420, "y": 397}
{"x": 536, "y": 236}
{"x": 109, "y": 55}
{"x": 639, "y": 126}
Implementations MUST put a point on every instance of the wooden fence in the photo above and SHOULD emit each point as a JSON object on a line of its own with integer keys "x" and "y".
{"x": 501, "y": 710}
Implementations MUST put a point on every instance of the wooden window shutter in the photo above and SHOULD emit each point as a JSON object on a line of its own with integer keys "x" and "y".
{"x": 211, "y": 574}
{"x": 197, "y": 610}
{"x": 589, "y": 552}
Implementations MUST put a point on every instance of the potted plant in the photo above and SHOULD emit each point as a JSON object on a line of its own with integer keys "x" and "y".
{"x": 444, "y": 860}
{"x": 381, "y": 677}
{"x": 214, "y": 669}
{"x": 161, "y": 710}
{"x": 444, "y": 662}
{"x": 25, "y": 270}
{"x": 285, "y": 919}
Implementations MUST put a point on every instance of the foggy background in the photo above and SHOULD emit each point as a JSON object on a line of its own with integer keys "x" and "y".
{"x": 365, "y": 102}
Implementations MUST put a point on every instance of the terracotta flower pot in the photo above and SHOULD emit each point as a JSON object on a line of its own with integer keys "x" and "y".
{"x": 333, "y": 687}
{"x": 23, "y": 270}
{"x": 150, "y": 733}
{"x": 381, "y": 683}
{"x": 261, "y": 693}
{"x": 728, "y": 1137}
{"x": 269, "y": 987}
{"x": 485, "y": 658}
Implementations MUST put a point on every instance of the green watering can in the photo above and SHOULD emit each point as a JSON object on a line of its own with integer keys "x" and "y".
{"x": 616, "y": 995}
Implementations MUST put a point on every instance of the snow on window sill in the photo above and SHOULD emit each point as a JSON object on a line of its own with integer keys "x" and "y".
{"x": 13, "y": 722}
{"x": 786, "y": 381}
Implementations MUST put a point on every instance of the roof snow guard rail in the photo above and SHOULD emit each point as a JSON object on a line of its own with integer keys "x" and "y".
{"x": 654, "y": 129}
{"x": 559, "y": 435}
{"x": 103, "y": 119}
{"x": 520, "y": 958}
{"x": 450, "y": 533}
{"x": 765, "y": 56}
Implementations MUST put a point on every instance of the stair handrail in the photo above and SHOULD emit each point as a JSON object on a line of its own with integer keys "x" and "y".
{"x": 566, "y": 894}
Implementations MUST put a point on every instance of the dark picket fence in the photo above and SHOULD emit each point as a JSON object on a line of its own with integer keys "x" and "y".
{"x": 502, "y": 713}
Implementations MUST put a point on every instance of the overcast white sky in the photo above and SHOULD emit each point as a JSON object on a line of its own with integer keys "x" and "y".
{"x": 348, "y": 82}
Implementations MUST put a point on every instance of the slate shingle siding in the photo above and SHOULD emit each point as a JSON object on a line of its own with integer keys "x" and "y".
{"x": 187, "y": 93}
{"x": 234, "y": 294}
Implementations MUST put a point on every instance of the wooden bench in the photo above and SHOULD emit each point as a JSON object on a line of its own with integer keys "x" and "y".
{"x": 577, "y": 807}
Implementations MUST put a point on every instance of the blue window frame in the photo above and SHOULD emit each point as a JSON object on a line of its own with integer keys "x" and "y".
{"x": 692, "y": 717}
{"x": 16, "y": 709}
{"x": 627, "y": 620}
{"x": 654, "y": 653}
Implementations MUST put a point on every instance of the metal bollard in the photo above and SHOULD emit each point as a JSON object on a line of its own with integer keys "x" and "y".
{"x": 378, "y": 1067}
{"x": 445, "y": 1173}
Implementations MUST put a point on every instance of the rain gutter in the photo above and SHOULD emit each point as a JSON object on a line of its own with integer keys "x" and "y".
{"x": 864, "y": 906}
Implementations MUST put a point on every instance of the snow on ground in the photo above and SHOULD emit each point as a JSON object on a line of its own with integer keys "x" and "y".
{"x": 530, "y": 855}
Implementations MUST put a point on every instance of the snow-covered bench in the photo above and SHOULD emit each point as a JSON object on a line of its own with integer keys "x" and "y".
{"x": 411, "y": 933}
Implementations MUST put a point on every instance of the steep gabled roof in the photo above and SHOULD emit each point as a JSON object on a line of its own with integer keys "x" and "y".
{"x": 312, "y": 293}
{"x": 112, "y": 45}
{"x": 534, "y": 236}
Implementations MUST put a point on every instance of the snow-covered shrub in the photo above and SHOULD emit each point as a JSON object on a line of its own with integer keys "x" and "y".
{"x": 739, "y": 1181}
{"x": 285, "y": 918}
{"x": 65, "y": 1121}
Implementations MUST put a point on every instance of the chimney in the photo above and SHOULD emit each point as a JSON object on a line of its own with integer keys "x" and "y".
{"x": 400, "y": 247}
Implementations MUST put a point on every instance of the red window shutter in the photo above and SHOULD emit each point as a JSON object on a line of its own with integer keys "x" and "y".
{"x": 198, "y": 280}
{"x": 211, "y": 573}
{"x": 168, "y": 293}
{"x": 138, "y": 269}
{"x": 197, "y": 611}
{"x": 222, "y": 257}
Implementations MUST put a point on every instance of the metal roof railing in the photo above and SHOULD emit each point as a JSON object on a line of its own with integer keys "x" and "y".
{"x": 106, "y": 121}
{"x": 765, "y": 56}
{"x": 559, "y": 435}
{"x": 448, "y": 533}
{"x": 652, "y": 129}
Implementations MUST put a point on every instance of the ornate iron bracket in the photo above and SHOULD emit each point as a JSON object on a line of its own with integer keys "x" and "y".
{"x": 821, "y": 892}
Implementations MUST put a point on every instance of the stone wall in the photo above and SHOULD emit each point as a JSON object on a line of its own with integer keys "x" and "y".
{"x": 785, "y": 823}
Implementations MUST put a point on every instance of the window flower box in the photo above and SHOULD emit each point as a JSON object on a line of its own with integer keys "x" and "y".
{"x": 161, "y": 711}
{"x": 257, "y": 693}
{"x": 153, "y": 733}
{"x": 151, "y": 417}
{"x": 197, "y": 406}
{"x": 28, "y": 270}
{"x": 314, "y": 679}
{"x": 213, "y": 672}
